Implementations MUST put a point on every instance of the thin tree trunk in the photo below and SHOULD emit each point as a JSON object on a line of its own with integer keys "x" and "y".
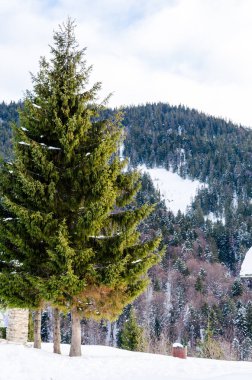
{"x": 75, "y": 349}
{"x": 56, "y": 331}
{"x": 37, "y": 329}
{"x": 30, "y": 327}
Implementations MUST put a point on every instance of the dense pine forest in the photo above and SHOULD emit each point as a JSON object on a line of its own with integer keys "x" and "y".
{"x": 195, "y": 294}
{"x": 216, "y": 152}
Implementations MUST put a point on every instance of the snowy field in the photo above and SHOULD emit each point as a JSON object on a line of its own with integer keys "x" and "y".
{"x": 105, "y": 363}
{"x": 177, "y": 192}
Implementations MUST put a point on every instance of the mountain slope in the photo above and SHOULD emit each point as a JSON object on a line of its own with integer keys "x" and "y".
{"x": 202, "y": 147}
{"x": 191, "y": 292}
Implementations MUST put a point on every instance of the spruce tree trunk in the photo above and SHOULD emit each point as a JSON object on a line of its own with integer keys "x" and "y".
{"x": 75, "y": 349}
{"x": 56, "y": 331}
{"x": 37, "y": 328}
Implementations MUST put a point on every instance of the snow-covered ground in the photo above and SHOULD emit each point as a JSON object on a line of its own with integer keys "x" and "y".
{"x": 177, "y": 192}
{"x": 211, "y": 216}
{"x": 105, "y": 363}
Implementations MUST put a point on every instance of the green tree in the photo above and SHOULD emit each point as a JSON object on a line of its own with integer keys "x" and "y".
{"x": 131, "y": 337}
{"x": 69, "y": 221}
{"x": 199, "y": 285}
{"x": 237, "y": 288}
{"x": 249, "y": 319}
{"x": 211, "y": 348}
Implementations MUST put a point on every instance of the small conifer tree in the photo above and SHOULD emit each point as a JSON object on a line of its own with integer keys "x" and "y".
{"x": 131, "y": 337}
{"x": 211, "y": 348}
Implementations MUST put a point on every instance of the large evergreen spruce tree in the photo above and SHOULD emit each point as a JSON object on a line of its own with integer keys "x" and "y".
{"x": 68, "y": 230}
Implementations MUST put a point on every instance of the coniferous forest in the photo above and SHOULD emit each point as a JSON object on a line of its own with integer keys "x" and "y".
{"x": 195, "y": 294}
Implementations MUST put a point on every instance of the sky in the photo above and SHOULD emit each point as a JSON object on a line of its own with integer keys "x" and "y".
{"x": 192, "y": 52}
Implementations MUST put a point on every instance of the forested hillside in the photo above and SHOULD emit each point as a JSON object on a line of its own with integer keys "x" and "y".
{"x": 194, "y": 294}
{"x": 8, "y": 114}
{"x": 198, "y": 146}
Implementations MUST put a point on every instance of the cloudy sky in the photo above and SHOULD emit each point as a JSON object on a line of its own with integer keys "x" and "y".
{"x": 192, "y": 52}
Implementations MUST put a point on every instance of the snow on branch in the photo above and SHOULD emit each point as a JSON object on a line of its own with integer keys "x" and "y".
{"x": 136, "y": 261}
{"x": 53, "y": 148}
{"x": 23, "y": 143}
{"x": 36, "y": 106}
{"x": 49, "y": 147}
{"x": 104, "y": 236}
{"x": 99, "y": 237}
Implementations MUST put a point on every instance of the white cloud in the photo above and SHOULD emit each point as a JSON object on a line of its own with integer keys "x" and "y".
{"x": 194, "y": 52}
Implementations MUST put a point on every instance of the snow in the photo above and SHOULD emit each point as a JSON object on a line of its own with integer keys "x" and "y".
{"x": 49, "y": 147}
{"x": 53, "y": 148}
{"x": 121, "y": 150}
{"x": 99, "y": 237}
{"x": 23, "y": 143}
{"x": 136, "y": 261}
{"x": 177, "y": 345}
{"x": 103, "y": 236}
{"x": 167, "y": 302}
{"x": 20, "y": 362}
{"x": 36, "y": 106}
{"x": 246, "y": 268}
{"x": 214, "y": 218}
{"x": 24, "y": 129}
{"x": 177, "y": 192}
